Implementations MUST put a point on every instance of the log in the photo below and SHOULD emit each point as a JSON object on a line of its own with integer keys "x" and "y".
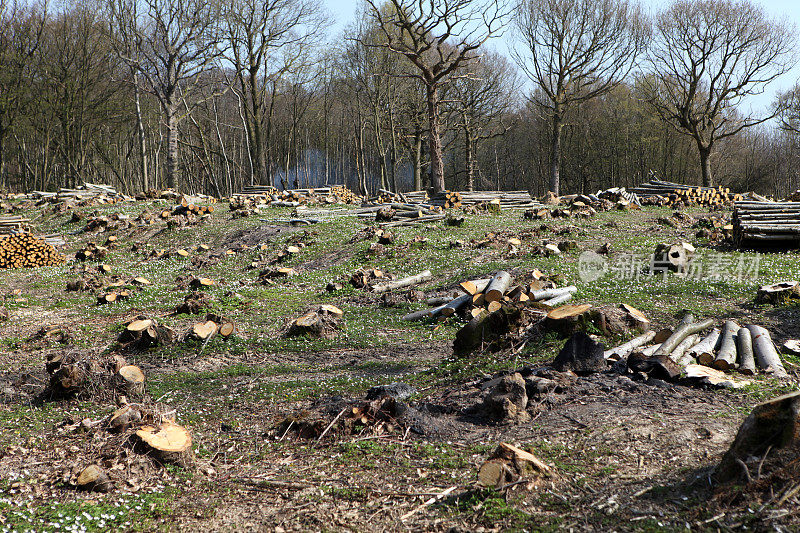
{"x": 129, "y": 380}
{"x": 497, "y": 287}
{"x": 744, "y": 348}
{"x": 681, "y": 332}
{"x": 704, "y": 350}
{"x": 168, "y": 443}
{"x": 558, "y": 300}
{"x": 546, "y": 294}
{"x": 764, "y": 350}
{"x": 475, "y": 286}
{"x": 93, "y": 478}
{"x": 416, "y": 279}
{"x": 623, "y": 350}
{"x": 680, "y": 350}
{"x": 726, "y": 354}
{"x": 226, "y": 329}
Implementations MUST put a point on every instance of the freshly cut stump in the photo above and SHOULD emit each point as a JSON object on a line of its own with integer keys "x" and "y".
{"x": 123, "y": 418}
{"x": 779, "y": 293}
{"x": 169, "y": 443}
{"x": 129, "y": 380}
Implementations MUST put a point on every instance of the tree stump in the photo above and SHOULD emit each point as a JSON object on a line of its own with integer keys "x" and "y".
{"x": 169, "y": 443}
{"x": 779, "y": 293}
{"x": 568, "y": 319}
{"x": 124, "y": 418}
{"x": 93, "y": 478}
{"x": 129, "y": 380}
{"x": 509, "y": 464}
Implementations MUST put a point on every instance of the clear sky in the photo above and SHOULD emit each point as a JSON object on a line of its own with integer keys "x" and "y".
{"x": 343, "y": 12}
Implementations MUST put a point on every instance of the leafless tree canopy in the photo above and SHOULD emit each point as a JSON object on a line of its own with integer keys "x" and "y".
{"x": 706, "y": 57}
{"x": 574, "y": 51}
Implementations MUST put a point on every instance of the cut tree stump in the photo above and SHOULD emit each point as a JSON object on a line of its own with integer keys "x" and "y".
{"x": 509, "y": 464}
{"x": 508, "y": 400}
{"x": 129, "y": 380}
{"x": 93, "y": 478}
{"x": 313, "y": 324}
{"x": 779, "y": 293}
{"x": 771, "y": 425}
{"x": 568, "y": 319}
{"x": 226, "y": 329}
{"x": 204, "y": 330}
{"x": 169, "y": 443}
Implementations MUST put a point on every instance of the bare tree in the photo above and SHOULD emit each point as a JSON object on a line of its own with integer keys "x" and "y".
{"x": 172, "y": 43}
{"x": 482, "y": 98}
{"x": 21, "y": 31}
{"x": 437, "y": 37}
{"x": 788, "y": 107}
{"x": 709, "y": 55}
{"x": 576, "y": 50}
{"x": 265, "y": 40}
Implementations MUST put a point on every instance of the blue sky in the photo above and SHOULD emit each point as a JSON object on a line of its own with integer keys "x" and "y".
{"x": 343, "y": 12}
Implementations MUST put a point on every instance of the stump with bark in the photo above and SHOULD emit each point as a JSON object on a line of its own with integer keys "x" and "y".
{"x": 509, "y": 464}
{"x": 168, "y": 443}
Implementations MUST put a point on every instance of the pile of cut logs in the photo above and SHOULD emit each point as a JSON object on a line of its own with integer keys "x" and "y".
{"x": 294, "y": 197}
{"x": 24, "y": 250}
{"x": 488, "y": 294}
{"x": 505, "y": 199}
{"x": 675, "y": 194}
{"x": 102, "y": 193}
{"x": 730, "y": 348}
{"x": 14, "y": 224}
{"x": 762, "y": 223}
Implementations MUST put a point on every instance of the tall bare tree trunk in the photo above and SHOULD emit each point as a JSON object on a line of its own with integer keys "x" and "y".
{"x": 435, "y": 139}
{"x": 172, "y": 143}
{"x": 705, "y": 164}
{"x": 140, "y": 132}
{"x": 468, "y": 156}
{"x": 555, "y": 153}
{"x": 418, "y": 160}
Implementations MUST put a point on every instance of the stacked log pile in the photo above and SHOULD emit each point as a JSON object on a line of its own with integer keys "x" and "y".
{"x": 487, "y": 295}
{"x": 693, "y": 344}
{"x": 505, "y": 199}
{"x": 766, "y": 223}
{"x": 657, "y": 192}
{"x": 334, "y": 194}
{"x": 14, "y": 224}
{"x": 24, "y": 250}
{"x": 103, "y": 194}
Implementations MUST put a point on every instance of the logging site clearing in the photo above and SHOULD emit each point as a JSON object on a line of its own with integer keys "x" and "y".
{"x": 311, "y": 360}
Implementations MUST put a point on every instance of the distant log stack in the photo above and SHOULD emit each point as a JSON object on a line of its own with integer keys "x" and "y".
{"x": 12, "y": 225}
{"x": 766, "y": 223}
{"x": 24, "y": 250}
{"x": 293, "y": 197}
{"x": 676, "y": 194}
{"x": 505, "y": 199}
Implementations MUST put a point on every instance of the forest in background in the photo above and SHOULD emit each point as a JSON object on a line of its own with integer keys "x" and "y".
{"x": 208, "y": 96}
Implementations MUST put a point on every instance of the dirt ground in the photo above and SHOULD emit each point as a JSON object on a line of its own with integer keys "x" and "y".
{"x": 628, "y": 453}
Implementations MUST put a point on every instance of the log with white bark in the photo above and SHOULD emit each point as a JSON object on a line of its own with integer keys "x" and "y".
{"x": 765, "y": 353}
{"x": 475, "y": 286}
{"x": 678, "y": 355}
{"x": 726, "y": 354}
{"x": 558, "y": 300}
{"x": 681, "y": 332}
{"x": 623, "y": 350}
{"x": 498, "y": 286}
{"x": 704, "y": 350}
{"x": 744, "y": 349}
{"x": 416, "y": 279}
{"x": 546, "y": 294}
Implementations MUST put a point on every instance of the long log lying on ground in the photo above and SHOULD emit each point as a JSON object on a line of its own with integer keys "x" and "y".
{"x": 681, "y": 332}
{"x": 497, "y": 287}
{"x": 416, "y": 279}
{"x": 679, "y": 356}
{"x": 744, "y": 347}
{"x": 726, "y": 355}
{"x": 623, "y": 350}
{"x": 765, "y": 352}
